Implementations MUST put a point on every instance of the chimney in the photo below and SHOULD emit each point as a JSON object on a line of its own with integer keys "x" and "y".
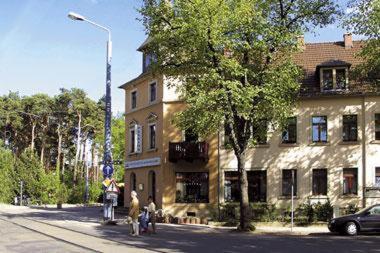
{"x": 301, "y": 42}
{"x": 348, "y": 40}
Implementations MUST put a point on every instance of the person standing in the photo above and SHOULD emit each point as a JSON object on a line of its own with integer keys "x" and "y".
{"x": 152, "y": 213}
{"x": 134, "y": 213}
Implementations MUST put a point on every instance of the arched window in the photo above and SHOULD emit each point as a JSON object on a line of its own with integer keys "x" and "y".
{"x": 133, "y": 182}
{"x": 152, "y": 185}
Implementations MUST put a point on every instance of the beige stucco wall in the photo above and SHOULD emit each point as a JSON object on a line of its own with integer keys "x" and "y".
{"x": 305, "y": 156}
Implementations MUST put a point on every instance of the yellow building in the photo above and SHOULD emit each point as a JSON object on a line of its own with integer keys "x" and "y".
{"x": 331, "y": 146}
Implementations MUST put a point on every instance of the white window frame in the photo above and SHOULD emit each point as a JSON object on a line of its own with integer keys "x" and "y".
{"x": 334, "y": 78}
{"x": 149, "y": 91}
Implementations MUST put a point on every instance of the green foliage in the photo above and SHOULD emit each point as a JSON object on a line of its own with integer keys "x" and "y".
{"x": 323, "y": 212}
{"x": 351, "y": 209}
{"x": 118, "y": 149}
{"x": 232, "y": 61}
{"x": 62, "y": 193}
{"x": 364, "y": 19}
{"x": 306, "y": 210}
{"x": 95, "y": 192}
{"x": 6, "y": 174}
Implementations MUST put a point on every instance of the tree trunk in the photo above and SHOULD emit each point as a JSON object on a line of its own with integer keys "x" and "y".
{"x": 93, "y": 161}
{"x": 58, "y": 163}
{"x": 33, "y": 136}
{"x": 244, "y": 201}
{"x": 42, "y": 152}
{"x": 78, "y": 145}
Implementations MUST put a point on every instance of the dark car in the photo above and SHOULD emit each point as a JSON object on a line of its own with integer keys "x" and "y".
{"x": 366, "y": 220}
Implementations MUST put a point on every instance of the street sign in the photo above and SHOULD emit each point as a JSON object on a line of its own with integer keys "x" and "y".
{"x": 112, "y": 187}
{"x": 107, "y": 170}
{"x": 106, "y": 182}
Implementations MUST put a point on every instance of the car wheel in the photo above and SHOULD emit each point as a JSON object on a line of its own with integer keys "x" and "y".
{"x": 351, "y": 228}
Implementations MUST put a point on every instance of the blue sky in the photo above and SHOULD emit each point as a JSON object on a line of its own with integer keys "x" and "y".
{"x": 41, "y": 50}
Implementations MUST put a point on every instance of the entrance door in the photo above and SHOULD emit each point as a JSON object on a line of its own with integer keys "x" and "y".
{"x": 257, "y": 186}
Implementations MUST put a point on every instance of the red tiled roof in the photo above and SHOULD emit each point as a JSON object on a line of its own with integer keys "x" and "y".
{"x": 316, "y": 55}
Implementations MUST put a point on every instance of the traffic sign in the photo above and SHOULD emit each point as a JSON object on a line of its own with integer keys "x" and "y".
{"x": 107, "y": 170}
{"x": 112, "y": 187}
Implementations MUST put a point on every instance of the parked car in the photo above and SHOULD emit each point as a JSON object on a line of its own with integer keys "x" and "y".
{"x": 366, "y": 220}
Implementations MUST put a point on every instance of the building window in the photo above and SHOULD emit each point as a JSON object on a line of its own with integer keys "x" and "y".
{"x": 132, "y": 142}
{"x": 257, "y": 186}
{"x": 327, "y": 79}
{"x": 319, "y": 129}
{"x": 289, "y": 178}
{"x": 133, "y": 99}
{"x": 192, "y": 187}
{"x": 289, "y": 135}
{"x": 333, "y": 79}
{"x": 260, "y": 132}
{"x": 377, "y": 177}
{"x": 350, "y": 181}
{"x": 320, "y": 182}
{"x": 152, "y": 92}
{"x": 152, "y": 136}
{"x": 377, "y": 126}
{"x": 231, "y": 186}
{"x": 340, "y": 79}
{"x": 148, "y": 59}
{"x": 350, "y": 128}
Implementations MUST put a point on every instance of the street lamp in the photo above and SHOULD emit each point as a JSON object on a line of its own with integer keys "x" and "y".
{"x": 107, "y": 158}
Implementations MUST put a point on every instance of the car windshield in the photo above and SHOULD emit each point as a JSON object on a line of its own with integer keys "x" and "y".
{"x": 364, "y": 210}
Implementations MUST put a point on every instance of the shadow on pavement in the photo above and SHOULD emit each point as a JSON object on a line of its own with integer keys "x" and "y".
{"x": 199, "y": 239}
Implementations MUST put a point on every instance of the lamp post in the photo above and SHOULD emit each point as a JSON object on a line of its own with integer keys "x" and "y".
{"x": 107, "y": 157}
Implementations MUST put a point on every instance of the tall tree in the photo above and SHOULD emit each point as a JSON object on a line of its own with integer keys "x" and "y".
{"x": 233, "y": 61}
{"x": 364, "y": 19}
{"x": 34, "y": 108}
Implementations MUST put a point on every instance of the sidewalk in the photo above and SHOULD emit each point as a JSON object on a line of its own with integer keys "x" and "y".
{"x": 81, "y": 226}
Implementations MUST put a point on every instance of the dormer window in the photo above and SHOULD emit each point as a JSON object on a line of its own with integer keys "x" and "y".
{"x": 148, "y": 59}
{"x": 333, "y": 79}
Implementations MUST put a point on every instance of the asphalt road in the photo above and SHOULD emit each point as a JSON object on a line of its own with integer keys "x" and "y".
{"x": 184, "y": 238}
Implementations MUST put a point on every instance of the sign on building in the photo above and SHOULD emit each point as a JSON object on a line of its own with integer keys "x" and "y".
{"x": 138, "y": 143}
{"x": 143, "y": 163}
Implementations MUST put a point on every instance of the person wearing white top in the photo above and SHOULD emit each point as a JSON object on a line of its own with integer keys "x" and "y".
{"x": 152, "y": 213}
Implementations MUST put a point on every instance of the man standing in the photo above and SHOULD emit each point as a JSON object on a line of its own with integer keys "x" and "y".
{"x": 134, "y": 213}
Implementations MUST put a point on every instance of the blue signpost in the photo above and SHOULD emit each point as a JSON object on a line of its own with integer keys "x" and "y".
{"x": 107, "y": 171}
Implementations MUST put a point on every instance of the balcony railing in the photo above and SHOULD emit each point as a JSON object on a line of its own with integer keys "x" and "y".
{"x": 188, "y": 151}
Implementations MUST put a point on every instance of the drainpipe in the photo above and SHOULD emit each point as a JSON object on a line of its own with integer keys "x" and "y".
{"x": 363, "y": 152}
{"x": 218, "y": 175}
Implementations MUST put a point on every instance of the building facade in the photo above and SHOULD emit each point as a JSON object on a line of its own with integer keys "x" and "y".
{"x": 330, "y": 147}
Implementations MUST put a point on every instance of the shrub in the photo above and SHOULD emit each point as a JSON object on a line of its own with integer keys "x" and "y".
{"x": 323, "y": 212}
{"x": 6, "y": 173}
{"x": 306, "y": 210}
{"x": 351, "y": 209}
